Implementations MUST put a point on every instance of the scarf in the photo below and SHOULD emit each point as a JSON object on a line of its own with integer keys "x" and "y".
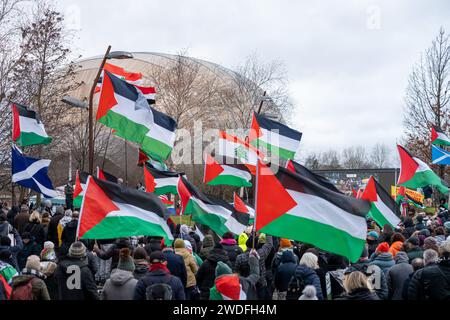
{"x": 229, "y": 242}
{"x": 159, "y": 266}
{"x": 33, "y": 272}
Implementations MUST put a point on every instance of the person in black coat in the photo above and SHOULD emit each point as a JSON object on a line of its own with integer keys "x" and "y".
{"x": 52, "y": 232}
{"x": 175, "y": 264}
{"x": 69, "y": 234}
{"x": 231, "y": 247}
{"x": 357, "y": 288}
{"x": 113, "y": 251}
{"x": 36, "y": 229}
{"x": 206, "y": 273}
{"x": 12, "y": 213}
{"x": 285, "y": 271}
{"x": 30, "y": 247}
{"x": 409, "y": 227}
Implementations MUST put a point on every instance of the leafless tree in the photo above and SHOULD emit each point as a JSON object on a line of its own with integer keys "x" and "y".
{"x": 427, "y": 97}
{"x": 355, "y": 158}
{"x": 380, "y": 156}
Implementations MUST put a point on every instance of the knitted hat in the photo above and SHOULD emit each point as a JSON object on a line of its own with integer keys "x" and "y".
{"x": 222, "y": 268}
{"x": 33, "y": 262}
{"x": 309, "y": 293}
{"x": 179, "y": 243}
{"x": 125, "y": 261}
{"x": 157, "y": 257}
{"x": 414, "y": 241}
{"x": 383, "y": 247}
{"x": 373, "y": 234}
{"x": 77, "y": 250}
{"x": 285, "y": 243}
{"x": 49, "y": 245}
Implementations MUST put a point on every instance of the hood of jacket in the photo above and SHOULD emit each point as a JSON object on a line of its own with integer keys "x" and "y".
{"x": 362, "y": 294}
{"x": 287, "y": 256}
{"x": 401, "y": 257}
{"x": 384, "y": 256}
{"x": 217, "y": 255}
{"x": 183, "y": 252}
{"x": 120, "y": 277}
{"x": 208, "y": 241}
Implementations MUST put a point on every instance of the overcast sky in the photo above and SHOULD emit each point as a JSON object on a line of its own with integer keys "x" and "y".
{"x": 347, "y": 61}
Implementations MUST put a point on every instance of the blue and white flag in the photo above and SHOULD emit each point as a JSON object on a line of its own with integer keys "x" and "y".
{"x": 439, "y": 156}
{"x": 32, "y": 173}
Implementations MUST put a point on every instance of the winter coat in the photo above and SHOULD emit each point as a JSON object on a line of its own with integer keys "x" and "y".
{"x": 14, "y": 250}
{"x": 395, "y": 247}
{"x": 175, "y": 264}
{"x": 38, "y": 286}
{"x": 232, "y": 249}
{"x": 206, "y": 273}
{"x": 141, "y": 268}
{"x": 159, "y": 276}
{"x": 309, "y": 277}
{"x": 31, "y": 248}
{"x": 120, "y": 286}
{"x": 242, "y": 241}
{"x": 190, "y": 264}
{"x": 37, "y": 230}
{"x": 242, "y": 266}
{"x": 363, "y": 266}
{"x": 431, "y": 282}
{"x": 277, "y": 259}
{"x": 285, "y": 270}
{"x": 383, "y": 260}
{"x": 5, "y": 228}
{"x": 397, "y": 275}
{"x": 52, "y": 232}
{"x": 360, "y": 294}
{"x": 416, "y": 252}
{"x": 20, "y": 221}
{"x": 208, "y": 244}
{"x": 68, "y": 236}
{"x": 88, "y": 288}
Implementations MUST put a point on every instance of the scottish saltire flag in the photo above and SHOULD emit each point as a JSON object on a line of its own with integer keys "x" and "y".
{"x": 439, "y": 156}
{"x": 32, "y": 173}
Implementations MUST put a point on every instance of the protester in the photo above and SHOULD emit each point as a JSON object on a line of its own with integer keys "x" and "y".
{"x": 12, "y": 250}
{"x": 52, "y": 233}
{"x": 48, "y": 268}
{"x": 158, "y": 282}
{"x": 175, "y": 264}
{"x": 31, "y": 274}
{"x": 69, "y": 233}
{"x": 68, "y": 192}
{"x": 416, "y": 264}
{"x": 397, "y": 275}
{"x": 207, "y": 246}
{"x": 242, "y": 241}
{"x": 413, "y": 248}
{"x": 283, "y": 274}
{"x": 140, "y": 263}
{"x": 30, "y": 247}
{"x": 357, "y": 287}
{"x": 35, "y": 228}
{"x": 230, "y": 246}
{"x": 22, "y": 219}
{"x": 191, "y": 267}
{"x": 7, "y": 270}
{"x": 382, "y": 257}
{"x": 113, "y": 251}
{"x": 309, "y": 293}
{"x": 397, "y": 241}
{"x": 372, "y": 241}
{"x": 306, "y": 272}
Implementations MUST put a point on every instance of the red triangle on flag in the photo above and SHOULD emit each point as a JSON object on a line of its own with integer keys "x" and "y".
{"x": 272, "y": 199}
{"x": 434, "y": 134}
{"x": 149, "y": 181}
{"x": 212, "y": 169}
{"x": 78, "y": 189}
{"x": 408, "y": 165}
{"x": 255, "y": 130}
{"x": 370, "y": 191}
{"x": 239, "y": 205}
{"x": 290, "y": 166}
{"x": 143, "y": 158}
{"x": 354, "y": 192}
{"x": 96, "y": 205}
{"x": 107, "y": 97}
{"x": 184, "y": 194}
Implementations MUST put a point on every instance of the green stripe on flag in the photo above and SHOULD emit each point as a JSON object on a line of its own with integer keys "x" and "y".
{"x": 229, "y": 180}
{"x": 282, "y": 153}
{"x": 31, "y": 138}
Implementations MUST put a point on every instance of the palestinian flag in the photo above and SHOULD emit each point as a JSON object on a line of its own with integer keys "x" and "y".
{"x": 241, "y": 206}
{"x": 106, "y": 176}
{"x": 274, "y": 136}
{"x": 130, "y": 77}
{"x": 123, "y": 108}
{"x": 439, "y": 137}
{"x": 80, "y": 186}
{"x": 227, "y": 287}
{"x": 292, "y": 206}
{"x": 234, "y": 148}
{"x": 414, "y": 173}
{"x": 110, "y": 210}
{"x": 145, "y": 159}
{"x": 384, "y": 209}
{"x": 237, "y": 175}
{"x": 148, "y": 92}
{"x": 213, "y": 212}
{"x": 301, "y": 170}
{"x": 27, "y": 128}
{"x": 161, "y": 182}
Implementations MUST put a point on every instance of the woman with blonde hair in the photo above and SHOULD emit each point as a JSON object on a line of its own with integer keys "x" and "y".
{"x": 35, "y": 228}
{"x": 306, "y": 273}
{"x": 357, "y": 287}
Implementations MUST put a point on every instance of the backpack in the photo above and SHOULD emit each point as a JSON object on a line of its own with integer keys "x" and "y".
{"x": 159, "y": 291}
{"x": 295, "y": 288}
{"x": 23, "y": 292}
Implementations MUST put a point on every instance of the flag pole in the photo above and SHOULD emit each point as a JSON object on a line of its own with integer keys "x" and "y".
{"x": 256, "y": 204}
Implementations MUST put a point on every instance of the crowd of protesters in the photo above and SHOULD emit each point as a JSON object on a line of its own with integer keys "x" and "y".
{"x": 39, "y": 257}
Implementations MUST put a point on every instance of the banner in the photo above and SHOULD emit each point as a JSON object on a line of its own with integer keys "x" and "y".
{"x": 413, "y": 195}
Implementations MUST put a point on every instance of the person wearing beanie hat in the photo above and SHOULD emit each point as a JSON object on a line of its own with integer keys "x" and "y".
{"x": 191, "y": 268}
{"x": 188, "y": 246}
{"x": 48, "y": 268}
{"x": 77, "y": 250}
{"x": 141, "y": 264}
{"x": 397, "y": 275}
{"x": 309, "y": 293}
{"x": 30, "y": 274}
{"x": 372, "y": 241}
{"x": 222, "y": 268}
{"x": 230, "y": 245}
{"x": 48, "y": 253}
{"x": 121, "y": 284}
{"x": 285, "y": 243}
{"x": 242, "y": 239}
{"x": 382, "y": 257}
{"x": 158, "y": 274}
{"x": 413, "y": 248}
{"x": 286, "y": 265}
{"x": 447, "y": 226}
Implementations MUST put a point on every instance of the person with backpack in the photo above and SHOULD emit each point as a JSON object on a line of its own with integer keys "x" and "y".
{"x": 230, "y": 246}
{"x": 283, "y": 274}
{"x": 305, "y": 274}
{"x": 158, "y": 283}
{"x": 30, "y": 285}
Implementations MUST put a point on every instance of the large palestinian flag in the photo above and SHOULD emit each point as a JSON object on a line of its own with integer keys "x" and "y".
{"x": 27, "y": 128}
{"x": 110, "y": 210}
{"x": 213, "y": 212}
{"x": 414, "y": 173}
{"x": 227, "y": 287}
{"x": 161, "y": 182}
{"x": 231, "y": 147}
{"x": 215, "y": 174}
{"x": 274, "y": 136}
{"x": 301, "y": 170}
{"x": 124, "y": 108}
{"x": 292, "y": 206}
{"x": 384, "y": 209}
{"x": 439, "y": 137}
{"x": 80, "y": 186}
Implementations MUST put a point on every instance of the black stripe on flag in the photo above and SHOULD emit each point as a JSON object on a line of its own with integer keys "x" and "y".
{"x": 123, "y": 88}
{"x": 293, "y": 181}
{"x": 83, "y": 176}
{"x": 158, "y": 174}
{"x": 163, "y": 120}
{"x": 301, "y": 170}
{"x": 27, "y": 113}
{"x": 123, "y": 194}
{"x": 282, "y": 129}
{"x": 387, "y": 199}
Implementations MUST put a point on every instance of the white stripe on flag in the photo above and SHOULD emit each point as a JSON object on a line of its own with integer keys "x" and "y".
{"x": 275, "y": 139}
{"x": 31, "y": 125}
{"x": 231, "y": 171}
{"x": 387, "y": 213}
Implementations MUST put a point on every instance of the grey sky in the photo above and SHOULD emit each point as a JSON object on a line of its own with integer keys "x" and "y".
{"x": 348, "y": 61}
